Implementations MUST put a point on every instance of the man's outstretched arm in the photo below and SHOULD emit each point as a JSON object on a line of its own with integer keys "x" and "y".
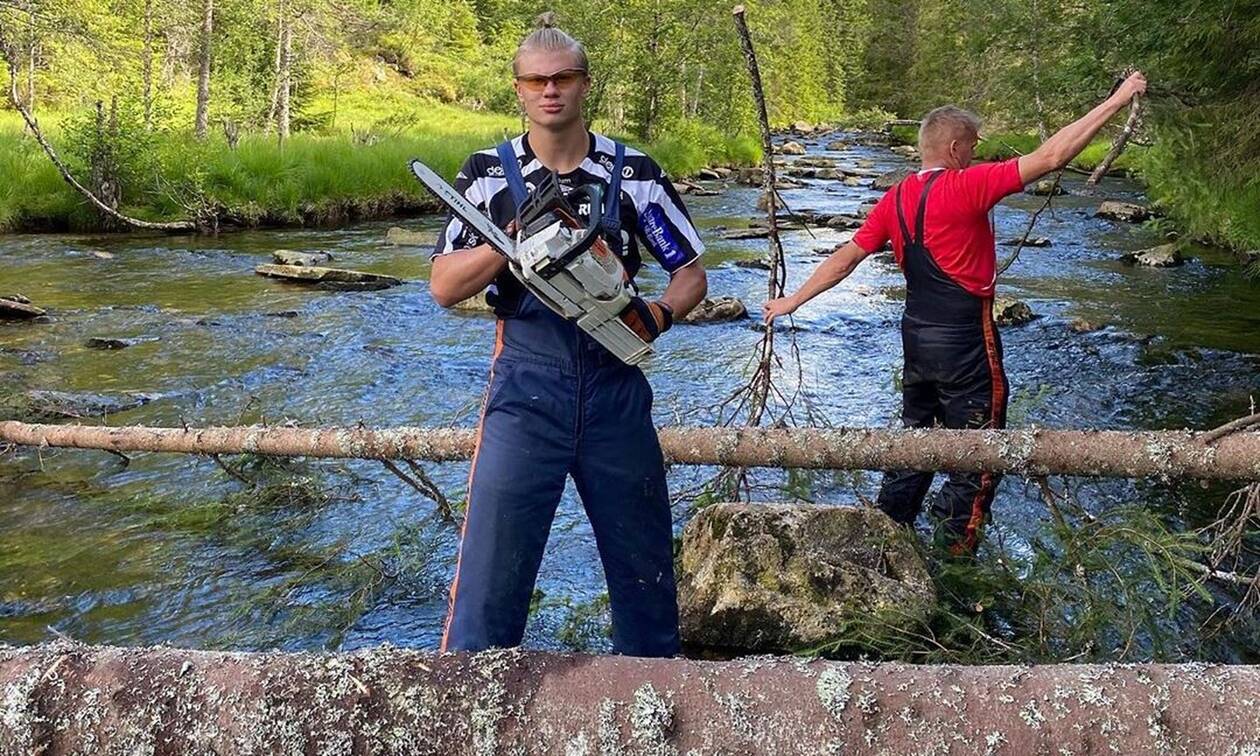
{"x": 1067, "y": 143}
{"x": 829, "y": 272}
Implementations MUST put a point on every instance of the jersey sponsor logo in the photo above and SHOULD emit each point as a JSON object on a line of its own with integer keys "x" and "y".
{"x": 658, "y": 234}
{"x": 627, "y": 171}
{"x": 607, "y": 162}
{"x": 494, "y": 170}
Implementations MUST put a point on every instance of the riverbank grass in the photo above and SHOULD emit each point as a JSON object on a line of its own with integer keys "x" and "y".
{"x": 353, "y": 166}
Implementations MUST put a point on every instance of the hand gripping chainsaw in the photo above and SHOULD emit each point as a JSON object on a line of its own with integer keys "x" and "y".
{"x": 567, "y": 266}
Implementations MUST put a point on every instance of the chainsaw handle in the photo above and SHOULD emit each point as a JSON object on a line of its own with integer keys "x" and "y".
{"x": 594, "y": 194}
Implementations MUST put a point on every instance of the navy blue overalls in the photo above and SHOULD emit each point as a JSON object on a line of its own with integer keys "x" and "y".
{"x": 953, "y": 376}
{"x": 559, "y": 404}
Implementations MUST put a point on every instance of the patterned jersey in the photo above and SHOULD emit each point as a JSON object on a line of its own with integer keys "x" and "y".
{"x": 652, "y": 215}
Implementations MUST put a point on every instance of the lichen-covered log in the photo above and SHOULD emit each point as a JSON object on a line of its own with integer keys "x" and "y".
{"x": 1135, "y": 454}
{"x": 63, "y": 699}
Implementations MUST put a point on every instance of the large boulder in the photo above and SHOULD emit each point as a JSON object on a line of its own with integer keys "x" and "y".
{"x": 886, "y": 181}
{"x": 804, "y": 127}
{"x": 719, "y": 310}
{"x": 905, "y": 150}
{"x": 1126, "y": 212}
{"x": 782, "y": 577}
{"x": 1163, "y": 256}
{"x": 792, "y": 148}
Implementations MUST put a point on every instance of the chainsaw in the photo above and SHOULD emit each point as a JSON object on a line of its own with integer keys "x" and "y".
{"x": 564, "y": 263}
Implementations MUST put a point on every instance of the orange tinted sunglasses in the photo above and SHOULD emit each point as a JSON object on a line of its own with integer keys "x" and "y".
{"x": 562, "y": 79}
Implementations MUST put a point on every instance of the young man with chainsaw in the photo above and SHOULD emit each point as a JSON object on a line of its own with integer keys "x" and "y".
{"x": 558, "y": 402}
{"x": 938, "y": 222}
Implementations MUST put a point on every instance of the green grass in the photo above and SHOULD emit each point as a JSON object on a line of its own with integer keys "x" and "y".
{"x": 353, "y": 166}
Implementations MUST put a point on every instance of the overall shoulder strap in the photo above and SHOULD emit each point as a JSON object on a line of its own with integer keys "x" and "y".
{"x": 918, "y": 219}
{"x": 906, "y": 239}
{"x": 612, "y": 200}
{"x": 512, "y": 172}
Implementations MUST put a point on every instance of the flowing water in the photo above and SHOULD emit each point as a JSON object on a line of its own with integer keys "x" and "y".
{"x": 149, "y": 552}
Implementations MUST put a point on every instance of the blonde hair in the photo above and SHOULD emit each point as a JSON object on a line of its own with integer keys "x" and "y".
{"x": 547, "y": 36}
{"x": 945, "y": 124}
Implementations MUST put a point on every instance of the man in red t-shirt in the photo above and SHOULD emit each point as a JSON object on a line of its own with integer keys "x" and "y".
{"x": 938, "y": 222}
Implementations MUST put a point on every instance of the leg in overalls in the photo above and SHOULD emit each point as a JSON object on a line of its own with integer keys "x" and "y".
{"x": 953, "y": 377}
{"x": 560, "y": 404}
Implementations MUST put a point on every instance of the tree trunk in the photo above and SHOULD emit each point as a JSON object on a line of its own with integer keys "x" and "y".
{"x": 1124, "y": 454}
{"x": 67, "y": 698}
{"x": 761, "y": 383}
{"x": 286, "y": 75}
{"x": 275, "y": 71}
{"x": 147, "y": 65}
{"x": 32, "y": 53}
{"x": 203, "y": 77}
{"x": 1117, "y": 147}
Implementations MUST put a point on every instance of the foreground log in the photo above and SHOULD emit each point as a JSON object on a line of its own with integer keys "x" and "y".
{"x": 77, "y": 699}
{"x": 1122, "y": 454}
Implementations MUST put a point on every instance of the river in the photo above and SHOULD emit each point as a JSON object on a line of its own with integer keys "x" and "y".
{"x": 141, "y": 553}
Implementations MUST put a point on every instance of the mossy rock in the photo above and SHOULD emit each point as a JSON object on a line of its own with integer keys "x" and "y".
{"x": 782, "y": 577}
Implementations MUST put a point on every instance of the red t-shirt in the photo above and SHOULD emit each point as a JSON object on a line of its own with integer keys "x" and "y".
{"x": 956, "y": 226}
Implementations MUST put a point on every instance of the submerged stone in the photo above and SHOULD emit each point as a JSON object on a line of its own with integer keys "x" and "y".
{"x": 1163, "y": 256}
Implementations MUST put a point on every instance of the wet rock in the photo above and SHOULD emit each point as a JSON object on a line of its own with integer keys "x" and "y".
{"x": 300, "y": 259}
{"x": 114, "y": 342}
{"x": 854, "y": 181}
{"x": 754, "y": 264}
{"x": 286, "y": 314}
{"x": 402, "y": 237}
{"x": 330, "y": 278}
{"x": 750, "y": 176}
{"x": 37, "y": 406}
{"x": 845, "y": 221}
{"x": 837, "y": 145}
{"x": 777, "y": 577}
{"x": 694, "y": 189}
{"x": 18, "y": 307}
{"x": 738, "y": 234}
{"x": 886, "y": 181}
{"x": 905, "y": 150}
{"x": 1081, "y": 325}
{"x": 718, "y": 310}
{"x": 803, "y": 127}
{"x": 1125, "y": 212}
{"x": 713, "y": 174}
{"x": 864, "y": 163}
{"x": 1045, "y": 188}
{"x": 816, "y": 161}
{"x": 101, "y": 254}
{"x": 475, "y": 303}
{"x": 1011, "y": 312}
{"x": 1032, "y": 241}
{"x": 792, "y": 148}
{"x": 1163, "y": 256}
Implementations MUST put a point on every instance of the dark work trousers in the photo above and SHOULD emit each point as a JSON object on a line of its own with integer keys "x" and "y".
{"x": 559, "y": 404}
{"x": 953, "y": 377}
